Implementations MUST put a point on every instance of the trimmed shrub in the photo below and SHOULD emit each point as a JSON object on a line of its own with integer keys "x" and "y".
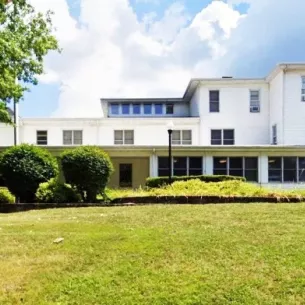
{"x": 6, "y": 196}
{"x": 88, "y": 169}
{"x": 55, "y": 191}
{"x": 162, "y": 181}
{"x": 24, "y": 167}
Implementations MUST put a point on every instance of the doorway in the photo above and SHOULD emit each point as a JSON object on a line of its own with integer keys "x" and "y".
{"x": 125, "y": 175}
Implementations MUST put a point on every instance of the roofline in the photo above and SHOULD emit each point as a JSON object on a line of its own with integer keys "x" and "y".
{"x": 283, "y": 67}
{"x": 143, "y": 100}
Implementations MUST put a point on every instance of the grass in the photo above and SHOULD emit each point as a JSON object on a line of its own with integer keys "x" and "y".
{"x": 199, "y": 188}
{"x": 216, "y": 254}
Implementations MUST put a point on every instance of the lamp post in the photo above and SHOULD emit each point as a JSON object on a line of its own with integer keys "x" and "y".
{"x": 170, "y": 127}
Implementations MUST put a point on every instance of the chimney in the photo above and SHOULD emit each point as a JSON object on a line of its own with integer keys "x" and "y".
{"x": 227, "y": 77}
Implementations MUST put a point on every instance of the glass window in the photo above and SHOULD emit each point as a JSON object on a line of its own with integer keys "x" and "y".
{"x": 125, "y": 109}
{"x": 254, "y": 101}
{"x": 128, "y": 137}
{"x": 115, "y": 109}
{"x": 163, "y": 166}
{"x": 274, "y": 134}
{"x": 220, "y": 165}
{"x": 228, "y": 137}
{"x": 147, "y": 109}
{"x": 275, "y": 169}
{"x": 290, "y": 169}
{"x": 42, "y": 137}
{"x": 180, "y": 166}
{"x": 158, "y": 109}
{"x": 302, "y": 169}
{"x": 195, "y": 166}
{"x": 216, "y": 138}
{"x": 251, "y": 169}
{"x": 67, "y": 137}
{"x": 136, "y": 109}
{"x": 214, "y": 101}
{"x": 176, "y": 137}
{"x": 169, "y": 109}
{"x": 186, "y": 137}
{"x": 303, "y": 89}
{"x": 118, "y": 137}
{"x": 236, "y": 166}
{"x": 77, "y": 137}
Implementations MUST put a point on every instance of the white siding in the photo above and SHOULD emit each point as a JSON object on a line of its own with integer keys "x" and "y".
{"x": 194, "y": 104}
{"x": 276, "y": 107}
{"x": 6, "y": 135}
{"x": 294, "y": 110}
{"x": 250, "y": 128}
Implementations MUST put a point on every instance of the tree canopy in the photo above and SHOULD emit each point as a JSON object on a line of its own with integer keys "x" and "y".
{"x": 26, "y": 37}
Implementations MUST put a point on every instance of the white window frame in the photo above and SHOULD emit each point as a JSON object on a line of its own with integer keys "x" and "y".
{"x": 222, "y": 136}
{"x": 37, "y": 137}
{"x": 255, "y": 104}
{"x": 214, "y": 102}
{"x": 123, "y": 140}
{"x": 73, "y": 139}
{"x": 303, "y": 88}
{"x": 182, "y": 139}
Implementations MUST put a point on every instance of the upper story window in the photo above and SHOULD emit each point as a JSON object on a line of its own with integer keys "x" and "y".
{"x": 182, "y": 137}
{"x": 254, "y": 101}
{"x": 123, "y": 137}
{"x": 158, "y": 109}
{"x": 42, "y": 137}
{"x": 147, "y": 108}
{"x": 303, "y": 89}
{"x": 169, "y": 109}
{"x": 125, "y": 109}
{"x": 214, "y": 101}
{"x": 222, "y": 137}
{"x": 136, "y": 109}
{"x": 274, "y": 134}
{"x": 72, "y": 137}
{"x": 115, "y": 109}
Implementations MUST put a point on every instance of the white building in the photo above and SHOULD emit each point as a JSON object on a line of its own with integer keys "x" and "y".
{"x": 246, "y": 127}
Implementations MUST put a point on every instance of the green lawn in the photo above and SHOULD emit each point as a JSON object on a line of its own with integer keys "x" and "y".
{"x": 216, "y": 254}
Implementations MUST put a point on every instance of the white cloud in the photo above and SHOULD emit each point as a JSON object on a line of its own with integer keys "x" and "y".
{"x": 109, "y": 52}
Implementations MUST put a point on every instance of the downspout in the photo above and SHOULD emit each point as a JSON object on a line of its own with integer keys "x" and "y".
{"x": 283, "y": 104}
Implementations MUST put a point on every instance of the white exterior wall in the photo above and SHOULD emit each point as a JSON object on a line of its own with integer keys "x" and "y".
{"x": 181, "y": 110}
{"x": 250, "y": 128}
{"x": 6, "y": 135}
{"x": 195, "y": 103}
{"x": 294, "y": 109}
{"x": 277, "y": 106}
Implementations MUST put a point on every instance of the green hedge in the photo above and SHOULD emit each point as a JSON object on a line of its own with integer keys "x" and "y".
{"x": 161, "y": 181}
{"x": 6, "y": 196}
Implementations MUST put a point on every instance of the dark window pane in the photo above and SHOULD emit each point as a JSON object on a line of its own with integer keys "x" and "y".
{"x": 195, "y": 162}
{"x": 251, "y": 175}
{"x": 302, "y": 169}
{"x": 125, "y": 175}
{"x": 136, "y": 109}
{"x": 236, "y": 163}
{"x": 228, "y": 137}
{"x": 290, "y": 163}
{"x": 163, "y": 162}
{"x": 114, "y": 108}
{"x": 147, "y": 108}
{"x": 216, "y": 137}
{"x": 220, "y": 172}
{"x": 214, "y": 106}
{"x": 125, "y": 109}
{"x": 214, "y": 96}
{"x": 180, "y": 172}
{"x": 275, "y": 175}
{"x": 158, "y": 109}
{"x": 275, "y": 163}
{"x": 290, "y": 175}
{"x": 163, "y": 173}
{"x": 220, "y": 165}
{"x": 236, "y": 172}
{"x": 251, "y": 163}
{"x": 180, "y": 166}
{"x": 169, "y": 109}
{"x": 195, "y": 172}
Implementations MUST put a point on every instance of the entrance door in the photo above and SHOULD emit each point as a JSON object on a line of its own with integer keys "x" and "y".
{"x": 125, "y": 175}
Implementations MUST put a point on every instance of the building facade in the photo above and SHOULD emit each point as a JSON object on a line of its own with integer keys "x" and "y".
{"x": 245, "y": 127}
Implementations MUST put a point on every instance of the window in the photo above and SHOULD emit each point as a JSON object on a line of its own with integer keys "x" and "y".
{"x": 115, "y": 109}
{"x": 274, "y": 134}
{"x": 182, "y": 166}
{"x": 169, "y": 109}
{"x": 182, "y": 137}
{"x": 214, "y": 101}
{"x": 125, "y": 175}
{"x": 237, "y": 166}
{"x": 123, "y": 137}
{"x": 222, "y": 137}
{"x": 147, "y": 109}
{"x": 125, "y": 109}
{"x": 158, "y": 109}
{"x": 72, "y": 137}
{"x": 136, "y": 109}
{"x": 254, "y": 101}
{"x": 303, "y": 89}
{"x": 42, "y": 137}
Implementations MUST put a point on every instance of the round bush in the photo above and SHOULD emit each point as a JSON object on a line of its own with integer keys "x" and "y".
{"x": 88, "y": 169}
{"x": 54, "y": 191}
{"x": 24, "y": 167}
{"x": 6, "y": 196}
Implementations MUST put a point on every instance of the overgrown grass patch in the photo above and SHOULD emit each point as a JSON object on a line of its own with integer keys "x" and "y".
{"x": 228, "y": 254}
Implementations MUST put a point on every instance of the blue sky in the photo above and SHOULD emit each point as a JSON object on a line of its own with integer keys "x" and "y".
{"x": 153, "y": 47}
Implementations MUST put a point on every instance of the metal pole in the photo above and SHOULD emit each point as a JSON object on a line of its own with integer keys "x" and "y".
{"x": 170, "y": 156}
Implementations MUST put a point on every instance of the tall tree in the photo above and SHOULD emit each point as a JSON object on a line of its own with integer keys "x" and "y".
{"x": 26, "y": 37}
